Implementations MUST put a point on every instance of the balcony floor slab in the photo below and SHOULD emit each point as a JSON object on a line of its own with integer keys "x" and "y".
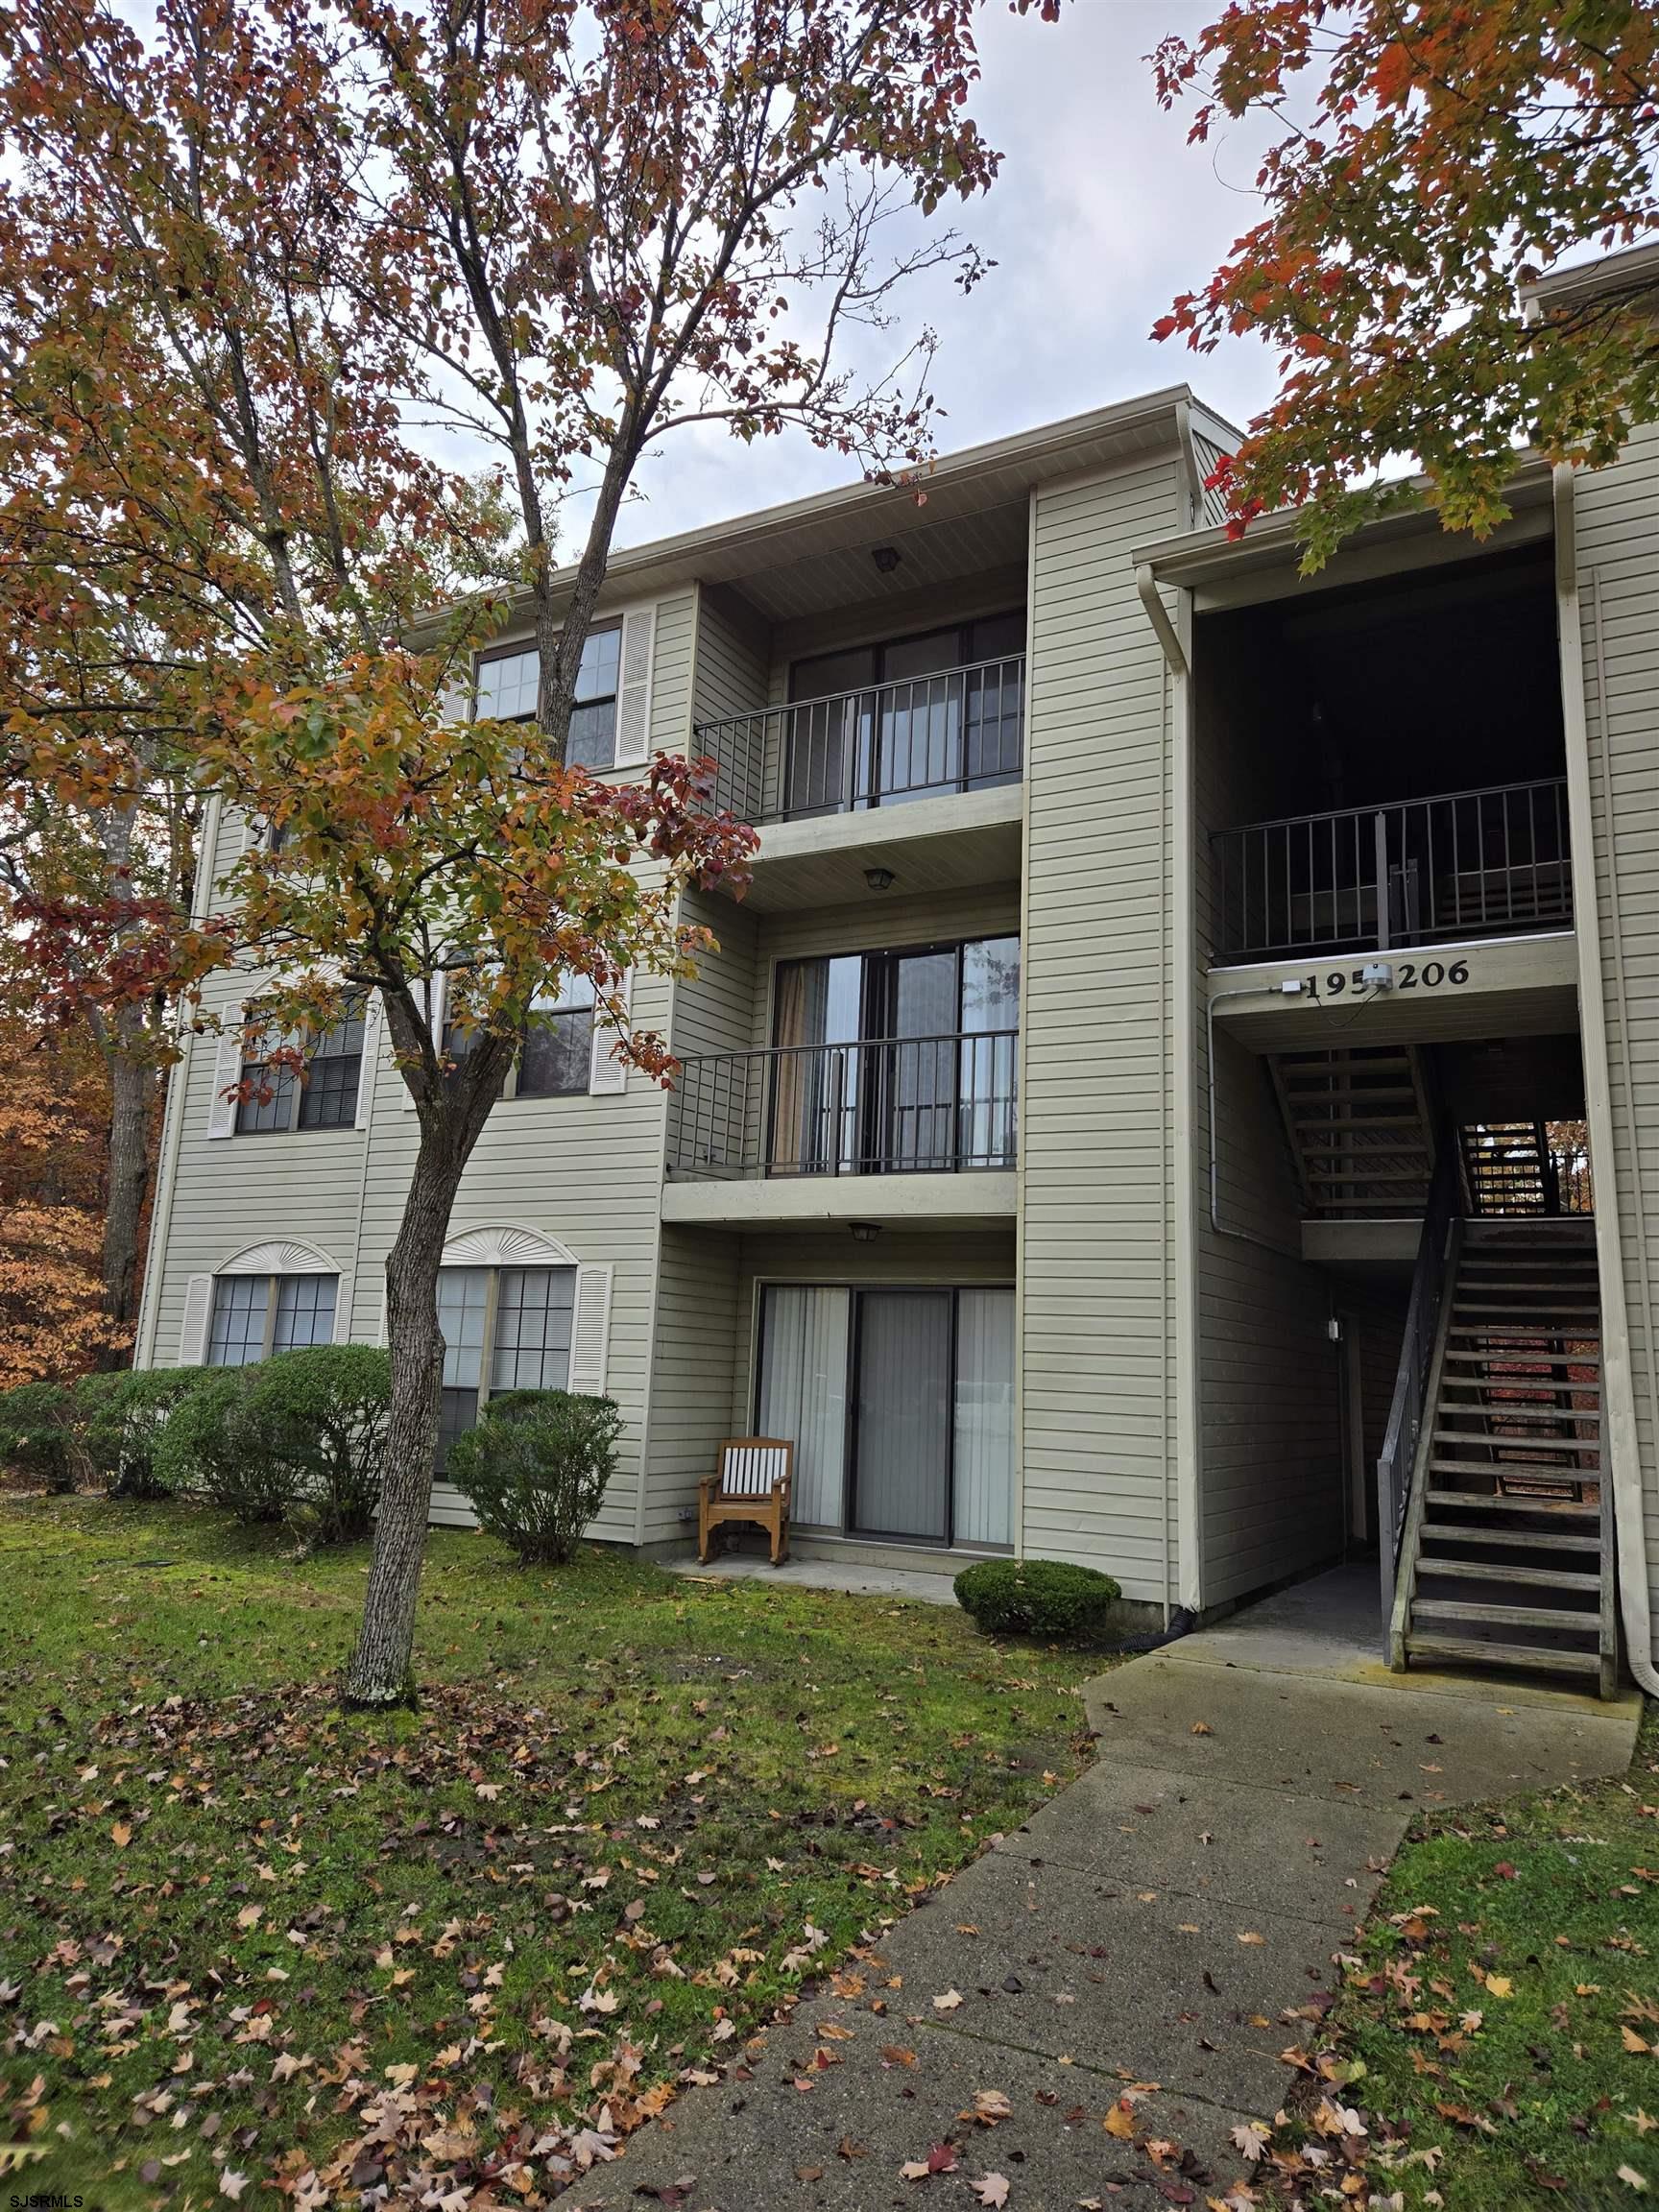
{"x": 984, "y": 1196}
{"x": 963, "y": 838}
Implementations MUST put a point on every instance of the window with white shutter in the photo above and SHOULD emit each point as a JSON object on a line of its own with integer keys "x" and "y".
{"x": 634, "y": 697}
{"x": 606, "y": 1074}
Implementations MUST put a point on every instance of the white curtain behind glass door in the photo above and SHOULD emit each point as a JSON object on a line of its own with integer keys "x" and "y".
{"x": 984, "y": 1417}
{"x": 804, "y": 1394}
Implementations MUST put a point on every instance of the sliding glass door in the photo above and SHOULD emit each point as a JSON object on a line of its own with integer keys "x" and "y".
{"x": 902, "y": 1415}
{"x": 896, "y": 1062}
{"x": 899, "y": 1403}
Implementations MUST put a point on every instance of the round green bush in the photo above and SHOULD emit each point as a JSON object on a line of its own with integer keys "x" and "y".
{"x": 120, "y": 1418}
{"x": 535, "y": 1467}
{"x": 299, "y": 1438}
{"x": 1042, "y": 1597}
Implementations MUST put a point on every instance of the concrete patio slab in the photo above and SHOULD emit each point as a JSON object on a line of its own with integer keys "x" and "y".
{"x": 864, "y": 1581}
{"x": 1269, "y": 1729}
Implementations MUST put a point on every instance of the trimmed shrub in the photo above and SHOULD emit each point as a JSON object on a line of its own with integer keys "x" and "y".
{"x": 38, "y": 1433}
{"x": 121, "y": 1418}
{"x": 1042, "y": 1597}
{"x": 323, "y": 1412}
{"x": 209, "y": 1448}
{"x": 536, "y": 1468}
{"x": 299, "y": 1439}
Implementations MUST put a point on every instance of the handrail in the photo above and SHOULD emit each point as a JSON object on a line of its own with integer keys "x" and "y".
{"x": 1408, "y": 1405}
{"x": 945, "y": 1102}
{"x": 1469, "y": 863}
{"x": 954, "y": 729}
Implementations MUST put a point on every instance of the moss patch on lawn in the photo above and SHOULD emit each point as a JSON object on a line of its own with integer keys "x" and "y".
{"x": 258, "y": 1951}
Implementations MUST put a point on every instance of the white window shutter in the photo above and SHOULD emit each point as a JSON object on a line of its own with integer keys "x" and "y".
{"x": 436, "y": 990}
{"x": 634, "y": 690}
{"x": 227, "y": 1070}
{"x": 345, "y": 1291}
{"x": 605, "y": 1073}
{"x": 374, "y": 1025}
{"x": 198, "y": 1314}
{"x": 590, "y": 1331}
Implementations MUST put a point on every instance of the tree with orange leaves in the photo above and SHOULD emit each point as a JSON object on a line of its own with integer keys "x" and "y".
{"x": 1430, "y": 158}
{"x": 53, "y": 1188}
{"x": 251, "y": 254}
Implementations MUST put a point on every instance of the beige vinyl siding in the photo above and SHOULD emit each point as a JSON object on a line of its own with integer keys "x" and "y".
{"x": 1270, "y": 1446}
{"x": 1097, "y": 1234}
{"x": 695, "y": 1348}
{"x": 1618, "y": 532}
{"x": 693, "y": 1372}
{"x": 733, "y": 656}
{"x": 1375, "y": 1311}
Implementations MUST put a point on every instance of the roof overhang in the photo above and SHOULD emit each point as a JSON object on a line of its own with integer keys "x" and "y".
{"x": 802, "y": 554}
{"x": 1222, "y": 571}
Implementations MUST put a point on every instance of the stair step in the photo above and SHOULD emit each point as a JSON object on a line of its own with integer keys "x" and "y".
{"x": 1503, "y": 1616}
{"x": 1481, "y": 1501}
{"x": 1416, "y": 1176}
{"x": 1528, "y": 1539}
{"x": 1470, "y": 1650}
{"x": 1580, "y": 1446}
{"x": 1495, "y": 1571}
{"x": 1488, "y": 1410}
{"x": 1505, "y": 1279}
{"x": 1525, "y": 1359}
{"x": 1367, "y": 1122}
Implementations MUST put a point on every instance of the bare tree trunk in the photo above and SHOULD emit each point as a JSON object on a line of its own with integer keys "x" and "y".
{"x": 132, "y": 1107}
{"x": 381, "y": 1672}
{"x": 453, "y": 1108}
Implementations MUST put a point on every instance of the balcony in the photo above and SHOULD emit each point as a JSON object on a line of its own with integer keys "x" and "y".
{"x": 884, "y": 1129}
{"x": 1467, "y": 865}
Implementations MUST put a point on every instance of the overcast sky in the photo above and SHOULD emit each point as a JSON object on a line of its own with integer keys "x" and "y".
{"x": 1101, "y": 214}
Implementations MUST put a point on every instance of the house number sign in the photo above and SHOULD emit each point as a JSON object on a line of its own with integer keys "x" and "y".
{"x": 1409, "y": 976}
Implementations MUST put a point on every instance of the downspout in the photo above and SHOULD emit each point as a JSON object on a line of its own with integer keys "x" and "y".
{"x": 1623, "y": 1448}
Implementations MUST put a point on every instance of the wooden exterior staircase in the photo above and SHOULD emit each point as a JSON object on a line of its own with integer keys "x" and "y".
{"x": 1507, "y": 1553}
{"x": 1360, "y": 1130}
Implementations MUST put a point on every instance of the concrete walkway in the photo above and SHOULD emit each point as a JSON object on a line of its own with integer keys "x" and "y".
{"x": 1171, "y": 1918}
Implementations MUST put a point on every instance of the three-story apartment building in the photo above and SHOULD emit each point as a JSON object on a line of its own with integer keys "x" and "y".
{"x": 1144, "y": 1111}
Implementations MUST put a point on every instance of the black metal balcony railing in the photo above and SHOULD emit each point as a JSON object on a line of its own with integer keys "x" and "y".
{"x": 899, "y": 1105}
{"x": 1469, "y": 864}
{"x": 961, "y": 730}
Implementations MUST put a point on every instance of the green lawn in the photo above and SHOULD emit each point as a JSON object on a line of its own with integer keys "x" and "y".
{"x": 1506, "y": 2007}
{"x": 462, "y": 1950}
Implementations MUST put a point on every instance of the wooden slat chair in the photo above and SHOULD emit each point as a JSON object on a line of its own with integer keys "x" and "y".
{"x": 752, "y": 1484}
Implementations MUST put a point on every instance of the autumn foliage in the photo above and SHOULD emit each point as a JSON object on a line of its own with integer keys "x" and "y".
{"x": 52, "y": 1119}
{"x": 1426, "y": 161}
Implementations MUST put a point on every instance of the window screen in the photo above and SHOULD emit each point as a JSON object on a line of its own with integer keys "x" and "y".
{"x": 304, "y": 1312}
{"x": 559, "y": 1043}
{"x": 463, "y": 1298}
{"x": 329, "y": 1099}
{"x": 505, "y": 690}
{"x": 533, "y": 1310}
{"x": 240, "y": 1303}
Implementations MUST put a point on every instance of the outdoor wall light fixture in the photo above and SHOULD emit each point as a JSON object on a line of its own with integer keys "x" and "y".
{"x": 886, "y": 558}
{"x": 878, "y": 878}
{"x": 865, "y": 1232}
